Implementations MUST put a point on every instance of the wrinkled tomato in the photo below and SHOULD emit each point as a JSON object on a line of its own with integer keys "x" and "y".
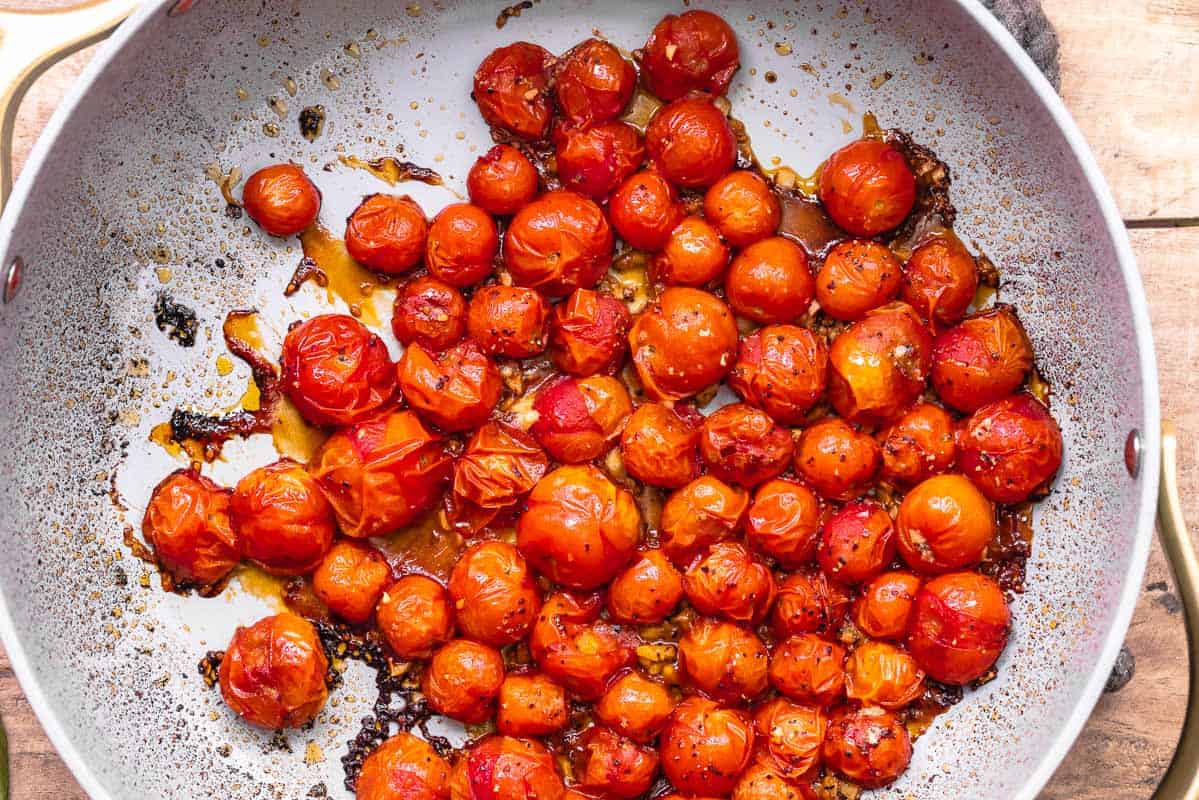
{"x": 273, "y": 672}
{"x": 837, "y": 460}
{"x": 764, "y": 782}
{"x": 645, "y": 209}
{"x": 705, "y": 747}
{"x": 282, "y": 519}
{"x": 589, "y": 333}
{"x": 944, "y": 523}
{"x": 857, "y": 543}
{"x": 918, "y": 445}
{"x": 506, "y": 768}
{"x": 508, "y": 320}
{"x": 724, "y": 661}
{"x": 784, "y": 521}
{"x": 579, "y": 419}
{"x": 959, "y": 626}
{"x": 499, "y": 466}
{"x": 691, "y": 143}
{"x": 595, "y": 160}
{"x": 494, "y": 594}
{"x": 415, "y": 617}
{"x": 694, "y": 50}
{"x": 455, "y": 389}
{"x": 404, "y": 767}
{"x": 880, "y": 674}
{"x": 684, "y": 343}
{"x": 879, "y": 366}
{"x": 511, "y": 89}
{"x": 808, "y": 602}
{"x": 700, "y": 514}
{"x": 867, "y": 187}
{"x": 884, "y": 608}
{"x": 1011, "y": 448}
{"x": 728, "y": 581}
{"x": 983, "y": 359}
{"x": 462, "y": 680}
{"x": 867, "y": 745}
{"x": 429, "y": 312}
{"x": 387, "y": 233}
{"x": 743, "y": 445}
{"x": 281, "y": 199}
{"x": 461, "y": 245}
{"x": 614, "y": 766}
{"x": 790, "y": 735}
{"x": 558, "y": 243}
{"x": 743, "y": 208}
{"x": 770, "y": 281}
{"x": 693, "y": 255}
{"x": 502, "y": 181}
{"x": 593, "y": 83}
{"x": 857, "y": 276}
{"x": 808, "y": 669}
{"x": 351, "y": 579}
{"x": 335, "y": 370}
{"x": 660, "y": 445}
{"x": 940, "y": 280}
{"x": 781, "y": 369}
{"x": 636, "y": 706}
{"x": 187, "y": 523}
{"x": 576, "y": 648}
{"x": 646, "y": 591}
{"x": 530, "y": 705}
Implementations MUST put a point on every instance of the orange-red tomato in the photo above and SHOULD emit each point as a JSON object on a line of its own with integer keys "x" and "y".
{"x": 508, "y": 320}
{"x": 808, "y": 669}
{"x": 784, "y": 522}
{"x": 589, "y": 333}
{"x": 770, "y": 281}
{"x": 455, "y": 389}
{"x": 430, "y": 312}
{"x": 461, "y": 245}
{"x": 959, "y": 626}
{"x": 790, "y": 736}
{"x": 867, "y": 745}
{"x": 281, "y": 199}
{"x": 502, "y": 181}
{"x": 635, "y": 706}
{"x": 884, "y": 608}
{"x": 593, "y": 83}
{"x": 691, "y": 143}
{"x": 702, "y": 513}
{"x": 494, "y": 595}
{"x": 808, "y": 602}
{"x": 462, "y": 680}
{"x": 918, "y": 445}
{"x": 878, "y": 366}
{"x": 511, "y": 89}
{"x": 382, "y": 474}
{"x": 506, "y": 768}
{"x": 724, "y": 661}
{"x": 351, "y": 579}
{"x": 1011, "y": 448}
{"x": 660, "y": 445}
{"x": 983, "y": 359}
{"x": 387, "y": 233}
{"x": 857, "y": 276}
{"x": 576, "y": 648}
{"x": 595, "y": 160}
{"x": 644, "y": 210}
{"x": 414, "y": 616}
{"x": 404, "y": 767}
{"x": 857, "y": 543}
{"x": 880, "y": 674}
{"x": 580, "y": 529}
{"x": 579, "y": 419}
{"x": 743, "y": 208}
{"x": 684, "y": 343}
{"x": 614, "y": 766}
{"x": 335, "y": 370}
{"x": 744, "y": 445}
{"x": 837, "y": 460}
{"x": 695, "y": 50}
{"x": 728, "y": 581}
{"x": 499, "y": 466}
{"x": 940, "y": 280}
{"x": 187, "y": 523}
{"x": 867, "y": 187}
{"x": 705, "y": 747}
{"x": 781, "y": 369}
{"x": 273, "y": 673}
{"x": 693, "y": 255}
{"x": 764, "y": 782}
{"x": 646, "y": 591}
{"x": 558, "y": 243}
{"x": 282, "y": 519}
{"x": 530, "y": 705}
{"x": 944, "y": 523}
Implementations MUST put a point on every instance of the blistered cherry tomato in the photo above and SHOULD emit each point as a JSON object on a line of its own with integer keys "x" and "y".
{"x": 724, "y": 661}
{"x": 282, "y": 519}
{"x": 695, "y": 50}
{"x": 659, "y": 445}
{"x": 335, "y": 370}
{"x": 494, "y": 595}
{"x": 351, "y": 579}
{"x": 461, "y": 245}
{"x": 884, "y": 608}
{"x": 959, "y": 626}
{"x": 614, "y": 766}
{"x": 743, "y": 208}
{"x": 404, "y": 767}
{"x": 867, "y": 187}
{"x": 781, "y": 369}
{"x": 744, "y": 445}
{"x": 502, "y": 181}
{"x": 691, "y": 143}
{"x": 918, "y": 445}
{"x": 1011, "y": 448}
{"x": 868, "y": 746}
{"x": 983, "y": 359}
{"x": 187, "y": 523}
{"x": 273, "y": 673}
{"x": 430, "y": 312}
{"x": 644, "y": 210}
{"x": 510, "y": 88}
{"x": 382, "y": 474}
{"x": 593, "y": 83}
{"x": 558, "y": 243}
{"x": 281, "y": 199}
{"x": 944, "y": 523}
{"x": 702, "y": 513}
{"x": 857, "y": 276}
{"x": 462, "y": 680}
{"x": 880, "y": 674}
{"x": 837, "y": 460}
{"x": 770, "y": 281}
{"x": 579, "y": 419}
{"x": 499, "y": 466}
{"x": 705, "y": 747}
{"x": 646, "y": 591}
{"x": 940, "y": 280}
{"x": 784, "y": 522}
{"x": 790, "y": 737}
{"x": 763, "y": 782}
{"x": 595, "y": 160}
{"x": 878, "y": 366}
{"x": 530, "y": 705}
{"x": 808, "y": 669}
{"x": 455, "y": 389}
{"x": 589, "y": 333}
{"x": 414, "y": 616}
{"x": 857, "y": 542}
{"x": 728, "y": 581}
{"x": 808, "y": 602}
{"x": 506, "y": 768}
{"x": 635, "y": 706}
{"x": 508, "y": 320}
{"x": 693, "y": 255}
{"x": 387, "y": 233}
{"x": 576, "y": 648}
{"x": 684, "y": 343}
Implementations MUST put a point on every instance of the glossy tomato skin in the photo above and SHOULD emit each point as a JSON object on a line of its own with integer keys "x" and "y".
{"x": 724, "y": 661}
{"x": 706, "y": 747}
{"x": 593, "y": 161}
{"x": 282, "y": 519}
{"x": 837, "y": 460}
{"x": 579, "y": 419}
{"x": 868, "y": 746}
{"x": 576, "y": 648}
{"x": 635, "y": 706}
{"x": 879, "y": 366}
{"x": 763, "y": 782}
{"x": 743, "y": 208}
{"x": 781, "y": 369}
{"x": 336, "y": 371}
{"x": 959, "y": 626}
{"x": 684, "y": 343}
{"x": 506, "y": 768}
{"x": 694, "y": 50}
{"x": 461, "y": 245}
{"x": 944, "y": 523}
{"x": 593, "y": 83}
{"x": 940, "y": 279}
{"x": 857, "y": 276}
{"x": 462, "y": 680}
{"x": 502, "y": 181}
{"x": 494, "y": 594}
{"x": 784, "y": 522}
{"x": 382, "y": 474}
{"x": 857, "y": 543}
{"x": 273, "y": 673}
{"x": 510, "y": 89}
{"x": 918, "y": 445}
{"x": 589, "y": 334}
{"x": 1011, "y": 448}
{"x": 808, "y": 602}
{"x": 694, "y": 254}
{"x": 880, "y": 674}
{"x": 508, "y": 321}
{"x": 558, "y": 243}
{"x": 187, "y": 523}
{"x": 613, "y": 765}
{"x": 430, "y": 312}
{"x": 744, "y": 445}
{"x": 790, "y": 736}
{"x": 770, "y": 281}
{"x": 404, "y": 766}
{"x": 808, "y": 669}
{"x": 660, "y": 445}
{"x": 351, "y": 579}
{"x": 867, "y": 187}
{"x": 646, "y": 591}
{"x": 691, "y": 143}
{"x": 499, "y": 466}
{"x": 883, "y": 610}
{"x": 455, "y": 389}
{"x": 530, "y": 705}
{"x": 415, "y": 617}
{"x": 281, "y": 199}
{"x": 982, "y": 359}
{"x": 644, "y": 210}
{"x": 728, "y": 581}
{"x": 387, "y": 233}
{"x": 702, "y": 513}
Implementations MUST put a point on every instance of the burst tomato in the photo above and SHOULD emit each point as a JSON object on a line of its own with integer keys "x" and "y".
{"x": 808, "y": 669}
{"x": 1011, "y": 448}
{"x": 282, "y": 519}
{"x": 684, "y": 343}
{"x": 867, "y": 187}
{"x": 511, "y": 89}
{"x": 878, "y": 366}
{"x": 187, "y": 523}
{"x": 502, "y": 181}
{"x": 837, "y": 460}
{"x": 530, "y": 705}
{"x": 579, "y": 419}
{"x": 494, "y": 594}
{"x": 808, "y": 602}
{"x": 781, "y": 369}
{"x": 743, "y": 445}
{"x": 691, "y": 143}
{"x": 273, "y": 672}
{"x": 589, "y": 333}
{"x": 595, "y": 160}
{"x": 694, "y": 50}
{"x": 702, "y": 513}
{"x": 336, "y": 371}
{"x": 614, "y": 766}
{"x": 404, "y": 766}
{"x": 880, "y": 674}
{"x": 959, "y": 626}
{"x": 415, "y": 617}
{"x": 790, "y": 735}
{"x": 558, "y": 243}
{"x": 635, "y": 706}
{"x": 506, "y": 768}
{"x": 660, "y": 445}
{"x": 351, "y": 579}
{"x": 918, "y": 445}
{"x": 593, "y": 83}
{"x": 944, "y": 523}
{"x": 499, "y": 466}
{"x": 728, "y": 581}
{"x": 576, "y": 648}
{"x": 461, "y": 245}
{"x": 429, "y": 312}
{"x": 508, "y": 320}
{"x": 724, "y": 661}
{"x": 770, "y": 281}
{"x": 455, "y": 389}
{"x": 857, "y": 276}
{"x": 868, "y": 746}
{"x": 983, "y": 359}
{"x": 462, "y": 680}
{"x": 940, "y": 280}
{"x": 857, "y": 543}
{"x": 784, "y": 522}
{"x": 884, "y": 608}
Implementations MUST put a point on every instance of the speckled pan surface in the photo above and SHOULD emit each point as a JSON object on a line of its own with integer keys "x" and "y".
{"x": 119, "y": 202}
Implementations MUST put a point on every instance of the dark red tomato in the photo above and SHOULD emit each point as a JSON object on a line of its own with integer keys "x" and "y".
{"x": 880, "y": 674}
{"x": 808, "y": 669}
{"x": 461, "y": 245}
{"x": 730, "y": 582}
{"x": 558, "y": 243}
{"x": 588, "y": 333}
{"x": 983, "y": 359}
{"x": 494, "y": 594}
{"x": 781, "y": 369}
{"x": 387, "y": 233}
{"x": 500, "y": 465}
{"x": 763, "y": 782}
{"x": 644, "y": 210}
{"x": 770, "y": 281}
{"x": 1011, "y": 448}
{"x": 579, "y": 419}
{"x": 693, "y": 255}
{"x": 382, "y": 474}
{"x": 530, "y": 705}
{"x": 462, "y": 680}
{"x": 594, "y": 83}
{"x": 700, "y": 514}
{"x": 335, "y": 370}
{"x": 455, "y": 389}
{"x": 430, "y": 312}
{"x": 508, "y": 320}
{"x": 743, "y": 208}
{"x": 595, "y": 160}
{"x": 511, "y": 89}
{"x": 635, "y": 706}
{"x": 691, "y": 143}
{"x": 940, "y": 280}
{"x": 351, "y": 579}
{"x": 857, "y": 543}
{"x": 647, "y": 591}
{"x": 705, "y": 747}
{"x": 837, "y": 460}
{"x": 614, "y": 766}
{"x": 576, "y": 648}
{"x": 502, "y": 181}
{"x": 743, "y": 445}
{"x": 506, "y": 768}
{"x": 660, "y": 445}
{"x": 867, "y": 745}
{"x": 790, "y": 735}
{"x": 273, "y": 673}
{"x": 944, "y": 523}
{"x": 918, "y": 445}
{"x": 724, "y": 661}
{"x": 414, "y": 617}
{"x": 784, "y": 522}
{"x": 187, "y": 523}
{"x": 406, "y": 767}
{"x": 282, "y": 519}
{"x": 808, "y": 602}
{"x": 959, "y": 626}
{"x": 867, "y": 187}
{"x": 695, "y": 50}
{"x": 857, "y": 276}
{"x": 884, "y": 608}
{"x": 879, "y": 366}
{"x": 683, "y": 343}
{"x": 281, "y": 199}
{"x": 580, "y": 529}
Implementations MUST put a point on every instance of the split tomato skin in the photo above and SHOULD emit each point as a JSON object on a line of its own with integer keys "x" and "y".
{"x": 579, "y": 419}
{"x": 698, "y": 515}
{"x": 429, "y": 312}
{"x": 790, "y": 737}
{"x": 867, "y": 187}
{"x": 808, "y": 602}
{"x": 808, "y": 669}
{"x": 462, "y": 681}
{"x": 336, "y": 371}
{"x": 351, "y": 579}
{"x": 588, "y": 334}
{"x": 691, "y": 143}
{"x": 742, "y": 444}
{"x": 500, "y": 465}
{"x": 511, "y": 90}
{"x": 728, "y": 581}
{"x": 615, "y": 766}
{"x": 455, "y": 389}
{"x": 856, "y": 277}
{"x": 726, "y": 662}
{"x": 940, "y": 279}
{"x": 781, "y": 369}
{"x": 506, "y": 768}
{"x": 1011, "y": 448}
{"x": 387, "y": 233}
{"x": 959, "y": 626}
{"x": 660, "y": 445}
{"x": 281, "y": 199}
{"x": 867, "y": 745}
{"x": 502, "y": 181}
{"x": 282, "y": 518}
{"x": 404, "y": 766}
{"x": 187, "y": 522}
{"x": 593, "y": 83}
{"x": 920, "y": 444}
{"x": 415, "y": 616}
{"x": 595, "y": 160}
{"x": 578, "y": 649}
{"x": 880, "y": 365}
{"x": 273, "y": 672}
{"x": 984, "y": 358}
{"x": 696, "y": 50}
{"x": 944, "y": 524}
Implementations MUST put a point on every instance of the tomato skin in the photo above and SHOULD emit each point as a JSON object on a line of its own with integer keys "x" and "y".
{"x": 645, "y": 209}
{"x": 868, "y": 746}
{"x": 959, "y": 627}
{"x": 282, "y": 519}
{"x": 382, "y": 474}
{"x": 615, "y": 766}
{"x": 499, "y": 466}
{"x": 743, "y": 208}
{"x": 770, "y": 281}
{"x": 867, "y": 187}
{"x": 462, "y": 680}
{"x": 790, "y": 737}
{"x": 273, "y": 673}
{"x": 705, "y": 747}
{"x": 684, "y": 343}
{"x": 281, "y": 199}
{"x": 506, "y": 768}
{"x": 880, "y": 674}
{"x": 511, "y": 90}
{"x": 530, "y": 705}
{"x": 635, "y": 706}
{"x": 857, "y": 543}
{"x": 918, "y": 445}
{"x": 593, "y": 83}
{"x": 728, "y": 581}
{"x": 944, "y": 523}
{"x": 724, "y": 661}
{"x": 857, "y": 276}
{"x": 784, "y": 522}
{"x": 694, "y": 50}
{"x": 646, "y": 591}
{"x": 702, "y": 513}
{"x": 576, "y": 648}
{"x": 691, "y": 143}
{"x": 456, "y": 389}
{"x": 502, "y": 181}
{"x": 1011, "y": 448}
{"x": 884, "y": 608}
{"x": 940, "y": 279}
{"x": 808, "y": 602}
{"x": 558, "y": 243}
{"x": 694, "y": 254}
{"x": 781, "y": 369}
{"x": 879, "y": 366}
{"x": 404, "y": 767}
{"x": 808, "y": 669}
{"x": 461, "y": 245}
{"x": 660, "y": 445}
{"x": 351, "y": 579}
{"x": 496, "y": 598}
{"x": 764, "y": 782}
{"x": 415, "y": 617}
{"x": 743, "y": 445}
{"x": 430, "y": 312}
{"x": 508, "y": 320}
{"x": 588, "y": 334}
{"x": 837, "y": 460}
{"x": 983, "y": 359}
{"x": 387, "y": 233}
{"x": 594, "y": 161}
{"x": 336, "y": 371}
{"x": 579, "y": 419}
{"x": 187, "y": 523}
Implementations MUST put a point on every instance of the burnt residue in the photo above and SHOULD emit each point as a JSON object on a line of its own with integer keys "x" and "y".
{"x": 1008, "y": 552}
{"x": 210, "y": 666}
{"x": 933, "y": 211}
{"x": 176, "y": 320}
{"x": 511, "y": 11}
{"x": 312, "y": 122}
{"x": 392, "y": 171}
{"x": 307, "y": 270}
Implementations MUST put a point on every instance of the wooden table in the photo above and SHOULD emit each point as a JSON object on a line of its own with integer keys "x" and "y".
{"x": 1131, "y": 78}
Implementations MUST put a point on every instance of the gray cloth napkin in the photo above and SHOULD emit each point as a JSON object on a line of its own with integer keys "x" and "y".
{"x": 1027, "y": 22}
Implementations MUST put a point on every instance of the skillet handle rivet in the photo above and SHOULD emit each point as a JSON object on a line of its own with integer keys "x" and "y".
{"x": 12, "y": 279}
{"x": 1132, "y": 452}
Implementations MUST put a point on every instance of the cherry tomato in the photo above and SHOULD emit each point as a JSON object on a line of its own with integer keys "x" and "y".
{"x": 702, "y": 513}
{"x": 940, "y": 280}
{"x": 959, "y": 626}
{"x": 691, "y": 143}
{"x": 837, "y": 460}
{"x": 742, "y": 444}
{"x": 728, "y": 581}
{"x": 455, "y": 389}
{"x": 589, "y": 333}
{"x": 499, "y": 466}
{"x": 695, "y": 50}
{"x": 414, "y": 617}
{"x": 508, "y": 320}
{"x": 784, "y": 522}
{"x": 693, "y": 255}
{"x": 808, "y": 602}
{"x": 868, "y": 746}
{"x": 187, "y": 523}
{"x": 983, "y": 359}
{"x": 461, "y": 245}
{"x": 645, "y": 209}
{"x": 506, "y": 768}
{"x": 387, "y": 233}
{"x": 808, "y": 669}
{"x": 404, "y": 767}
{"x": 867, "y": 187}
{"x": 743, "y": 208}
{"x": 944, "y": 524}
{"x": 530, "y": 705}
{"x": 1011, "y": 448}
{"x": 857, "y": 543}
{"x": 558, "y": 243}
{"x": 635, "y": 706}
{"x": 502, "y": 181}
{"x": 273, "y": 673}
{"x": 659, "y": 445}
{"x": 281, "y": 199}
{"x": 613, "y": 765}
{"x": 684, "y": 343}
{"x": 878, "y": 366}
{"x": 462, "y": 680}
{"x": 790, "y": 737}
{"x": 880, "y": 674}
{"x": 764, "y": 782}
{"x": 857, "y": 276}
{"x": 646, "y": 591}
{"x": 336, "y": 371}
{"x": 576, "y": 648}
{"x": 770, "y": 281}
{"x": 495, "y": 597}
{"x": 781, "y": 369}
{"x": 282, "y": 519}
{"x": 429, "y": 312}
{"x": 918, "y": 445}
{"x": 351, "y": 579}
{"x": 595, "y": 160}
{"x": 579, "y": 419}
{"x": 724, "y": 661}
{"x": 511, "y": 89}
{"x": 705, "y": 747}
{"x": 594, "y": 83}
{"x": 884, "y": 608}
